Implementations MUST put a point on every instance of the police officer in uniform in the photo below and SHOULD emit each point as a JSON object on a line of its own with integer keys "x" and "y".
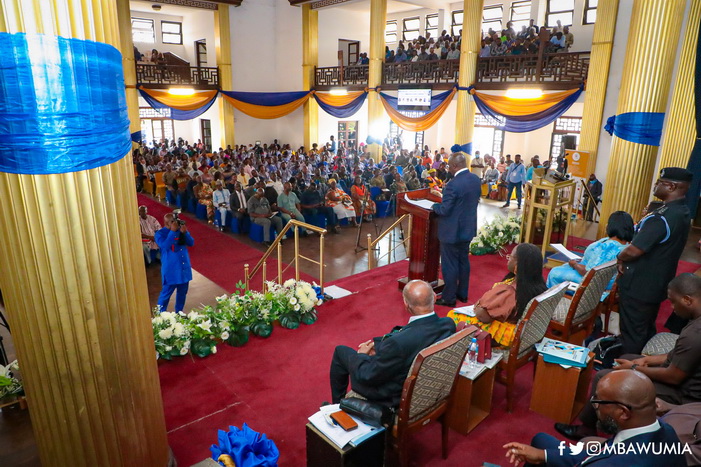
{"x": 648, "y": 264}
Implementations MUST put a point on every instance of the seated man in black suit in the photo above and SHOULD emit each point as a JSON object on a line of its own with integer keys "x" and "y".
{"x": 378, "y": 368}
{"x": 238, "y": 201}
{"x": 625, "y": 407}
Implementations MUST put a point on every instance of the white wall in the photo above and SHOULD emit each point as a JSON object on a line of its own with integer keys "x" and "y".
{"x": 197, "y": 24}
{"x": 340, "y": 23}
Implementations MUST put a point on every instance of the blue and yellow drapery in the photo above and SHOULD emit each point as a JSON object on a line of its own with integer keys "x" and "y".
{"x": 524, "y": 115}
{"x": 181, "y": 107}
{"x": 515, "y": 115}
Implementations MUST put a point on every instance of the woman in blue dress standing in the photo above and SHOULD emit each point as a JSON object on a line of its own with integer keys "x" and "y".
{"x": 619, "y": 232}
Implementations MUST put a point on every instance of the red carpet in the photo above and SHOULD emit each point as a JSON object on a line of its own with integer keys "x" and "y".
{"x": 275, "y": 384}
{"x": 216, "y": 255}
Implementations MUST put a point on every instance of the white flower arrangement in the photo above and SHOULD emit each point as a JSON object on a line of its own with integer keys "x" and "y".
{"x": 10, "y": 383}
{"x": 233, "y": 318}
{"x": 171, "y": 336}
{"x": 495, "y": 234}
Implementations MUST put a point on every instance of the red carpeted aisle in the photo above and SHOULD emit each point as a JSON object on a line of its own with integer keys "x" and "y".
{"x": 216, "y": 255}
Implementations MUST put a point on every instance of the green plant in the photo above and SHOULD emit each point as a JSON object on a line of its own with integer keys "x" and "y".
{"x": 495, "y": 234}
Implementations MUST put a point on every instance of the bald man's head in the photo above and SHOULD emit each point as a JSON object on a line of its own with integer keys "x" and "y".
{"x": 457, "y": 161}
{"x": 634, "y": 394}
{"x": 418, "y": 297}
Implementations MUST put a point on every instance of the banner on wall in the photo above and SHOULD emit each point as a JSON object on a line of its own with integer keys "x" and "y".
{"x": 577, "y": 162}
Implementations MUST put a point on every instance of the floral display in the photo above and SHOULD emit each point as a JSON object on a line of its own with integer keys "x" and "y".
{"x": 234, "y": 318}
{"x": 495, "y": 234}
{"x": 171, "y": 334}
{"x": 10, "y": 384}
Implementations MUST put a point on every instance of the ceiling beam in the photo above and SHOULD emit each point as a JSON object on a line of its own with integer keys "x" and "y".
{"x": 205, "y": 4}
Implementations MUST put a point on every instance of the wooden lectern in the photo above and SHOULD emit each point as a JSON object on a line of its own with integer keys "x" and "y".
{"x": 424, "y": 246}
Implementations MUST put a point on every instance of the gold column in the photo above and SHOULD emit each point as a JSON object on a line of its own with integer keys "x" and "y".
{"x": 126, "y": 46}
{"x": 376, "y": 112}
{"x": 597, "y": 81}
{"x": 73, "y": 280}
{"x": 680, "y": 129}
{"x": 644, "y": 88}
{"x": 222, "y": 40}
{"x": 469, "y": 52}
{"x": 310, "y": 60}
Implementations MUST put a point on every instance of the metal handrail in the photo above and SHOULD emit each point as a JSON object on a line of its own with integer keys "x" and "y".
{"x": 277, "y": 245}
{"x": 389, "y": 231}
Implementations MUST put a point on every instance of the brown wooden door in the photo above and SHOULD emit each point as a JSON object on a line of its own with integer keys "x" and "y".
{"x": 353, "y": 52}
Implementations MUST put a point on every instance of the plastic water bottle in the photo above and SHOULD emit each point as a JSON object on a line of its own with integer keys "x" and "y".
{"x": 472, "y": 353}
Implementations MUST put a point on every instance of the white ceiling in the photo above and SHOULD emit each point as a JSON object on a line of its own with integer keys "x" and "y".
{"x": 393, "y": 6}
{"x": 145, "y": 6}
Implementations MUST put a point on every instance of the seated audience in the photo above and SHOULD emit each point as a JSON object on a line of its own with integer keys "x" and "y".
{"x": 341, "y": 203}
{"x": 361, "y": 199}
{"x": 220, "y": 200}
{"x": 625, "y": 409}
{"x": 312, "y": 203}
{"x": 619, "y": 233}
{"x": 203, "y": 194}
{"x": 238, "y": 202}
{"x": 260, "y": 212}
{"x": 289, "y": 205}
{"x": 491, "y": 176}
{"x": 378, "y": 368}
{"x": 676, "y": 376}
{"x": 149, "y": 227}
{"x": 499, "y": 309}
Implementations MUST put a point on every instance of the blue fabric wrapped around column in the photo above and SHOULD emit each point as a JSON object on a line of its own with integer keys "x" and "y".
{"x": 62, "y": 105}
{"x": 466, "y": 148}
{"x": 637, "y": 127}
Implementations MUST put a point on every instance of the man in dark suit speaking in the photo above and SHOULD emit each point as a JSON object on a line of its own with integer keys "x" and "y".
{"x": 457, "y": 225}
{"x": 378, "y": 368}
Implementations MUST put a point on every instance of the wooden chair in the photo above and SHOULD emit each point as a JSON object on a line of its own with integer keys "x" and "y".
{"x": 530, "y": 330}
{"x": 160, "y": 185}
{"x": 428, "y": 389}
{"x": 574, "y": 317}
{"x": 608, "y": 306}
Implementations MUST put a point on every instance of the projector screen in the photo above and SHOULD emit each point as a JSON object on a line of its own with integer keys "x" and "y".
{"x": 414, "y": 98}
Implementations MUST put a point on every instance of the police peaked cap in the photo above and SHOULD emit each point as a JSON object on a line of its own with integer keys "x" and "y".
{"x": 676, "y": 174}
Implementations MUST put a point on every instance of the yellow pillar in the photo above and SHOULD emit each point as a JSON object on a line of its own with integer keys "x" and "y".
{"x": 376, "y": 112}
{"x": 73, "y": 279}
{"x": 222, "y": 40}
{"x": 310, "y": 60}
{"x": 469, "y": 52}
{"x": 680, "y": 128}
{"x": 597, "y": 81}
{"x": 126, "y": 46}
{"x": 644, "y": 88}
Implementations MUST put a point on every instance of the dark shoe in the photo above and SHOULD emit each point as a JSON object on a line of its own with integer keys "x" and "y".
{"x": 506, "y": 205}
{"x": 462, "y": 299}
{"x": 574, "y": 432}
{"x": 267, "y": 243}
{"x": 442, "y": 302}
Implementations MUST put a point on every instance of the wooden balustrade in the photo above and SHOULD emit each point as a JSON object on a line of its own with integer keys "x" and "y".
{"x": 435, "y": 71}
{"x": 554, "y": 71}
{"x": 198, "y": 77}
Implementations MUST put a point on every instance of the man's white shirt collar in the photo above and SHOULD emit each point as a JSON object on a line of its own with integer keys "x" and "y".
{"x": 414, "y": 318}
{"x": 623, "y": 435}
{"x": 459, "y": 172}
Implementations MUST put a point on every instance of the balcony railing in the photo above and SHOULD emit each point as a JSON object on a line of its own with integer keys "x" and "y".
{"x": 198, "y": 77}
{"x": 553, "y": 71}
{"x": 564, "y": 68}
{"x": 436, "y": 72}
{"x": 355, "y": 75}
